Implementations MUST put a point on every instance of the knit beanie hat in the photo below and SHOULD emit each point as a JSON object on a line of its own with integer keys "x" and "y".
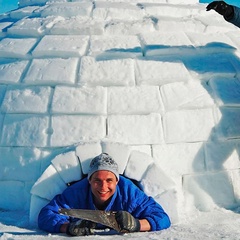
{"x": 103, "y": 162}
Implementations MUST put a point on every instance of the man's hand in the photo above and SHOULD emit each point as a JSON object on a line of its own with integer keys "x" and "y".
{"x": 222, "y": 8}
{"x": 127, "y": 222}
{"x": 81, "y": 228}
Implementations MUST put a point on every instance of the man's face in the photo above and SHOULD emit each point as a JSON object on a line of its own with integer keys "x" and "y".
{"x": 103, "y": 184}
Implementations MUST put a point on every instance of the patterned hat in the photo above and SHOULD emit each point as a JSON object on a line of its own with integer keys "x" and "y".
{"x": 103, "y": 162}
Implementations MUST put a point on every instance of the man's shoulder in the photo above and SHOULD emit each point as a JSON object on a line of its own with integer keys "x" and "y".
{"x": 82, "y": 183}
{"x": 127, "y": 182}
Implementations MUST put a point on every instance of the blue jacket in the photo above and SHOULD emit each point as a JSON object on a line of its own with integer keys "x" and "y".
{"x": 127, "y": 197}
{"x": 236, "y": 18}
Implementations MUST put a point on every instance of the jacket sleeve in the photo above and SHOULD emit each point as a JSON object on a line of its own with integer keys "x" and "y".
{"x": 145, "y": 207}
{"x": 236, "y": 18}
{"x": 49, "y": 219}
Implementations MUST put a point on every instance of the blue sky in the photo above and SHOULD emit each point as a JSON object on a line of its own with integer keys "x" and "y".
{"x": 233, "y": 2}
{"x": 7, "y": 5}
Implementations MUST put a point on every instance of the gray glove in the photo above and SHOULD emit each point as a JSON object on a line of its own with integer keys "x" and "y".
{"x": 81, "y": 228}
{"x": 127, "y": 222}
{"x": 226, "y": 10}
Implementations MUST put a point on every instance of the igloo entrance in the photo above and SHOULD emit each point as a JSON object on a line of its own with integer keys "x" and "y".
{"x": 73, "y": 165}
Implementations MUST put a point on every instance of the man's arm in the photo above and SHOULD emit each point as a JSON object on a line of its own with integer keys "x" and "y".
{"x": 144, "y": 225}
{"x": 229, "y": 12}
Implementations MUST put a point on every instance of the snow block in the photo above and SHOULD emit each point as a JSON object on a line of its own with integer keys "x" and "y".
{"x": 210, "y": 64}
{"x": 227, "y": 127}
{"x": 219, "y": 41}
{"x": 51, "y": 46}
{"x": 155, "y": 181}
{"x": 79, "y": 128}
{"x": 142, "y": 148}
{"x": 156, "y": 44}
{"x": 25, "y": 12}
{"x": 236, "y": 184}
{"x": 50, "y": 180}
{"x": 13, "y": 197}
{"x": 210, "y": 190}
{"x": 222, "y": 155}
{"x": 134, "y": 100}
{"x": 31, "y": 27}
{"x": 21, "y": 99}
{"x": 179, "y": 25}
{"x": 80, "y": 100}
{"x": 186, "y": 95}
{"x": 2, "y": 93}
{"x": 135, "y": 129}
{"x": 117, "y": 10}
{"x": 180, "y": 158}
{"x": 158, "y": 72}
{"x": 24, "y": 130}
{"x": 169, "y": 202}
{"x": 137, "y": 165}
{"x": 11, "y": 71}
{"x": 104, "y": 73}
{"x": 16, "y": 47}
{"x": 188, "y": 125}
{"x": 119, "y": 152}
{"x": 174, "y": 10}
{"x": 68, "y": 9}
{"x": 68, "y": 166}
{"x": 78, "y": 25}
{"x": 86, "y": 151}
{"x": 3, "y": 28}
{"x": 19, "y": 164}
{"x": 226, "y": 91}
{"x": 108, "y": 47}
{"x": 36, "y": 205}
{"x": 52, "y": 71}
{"x": 116, "y": 27}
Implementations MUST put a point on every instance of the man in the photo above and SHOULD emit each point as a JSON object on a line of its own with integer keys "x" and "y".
{"x": 104, "y": 189}
{"x": 229, "y": 12}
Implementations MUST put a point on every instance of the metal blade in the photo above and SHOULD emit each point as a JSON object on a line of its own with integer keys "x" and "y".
{"x": 106, "y": 218}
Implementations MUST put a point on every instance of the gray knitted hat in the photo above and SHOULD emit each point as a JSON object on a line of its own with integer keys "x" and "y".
{"x": 103, "y": 162}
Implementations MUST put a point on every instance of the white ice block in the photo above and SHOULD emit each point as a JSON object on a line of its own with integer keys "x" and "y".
{"x": 83, "y": 100}
{"x": 135, "y": 129}
{"x": 25, "y": 130}
{"x": 20, "y": 99}
{"x": 134, "y": 100}
{"x": 52, "y": 71}
{"x": 158, "y": 73}
{"x": 49, "y": 184}
{"x": 155, "y": 181}
{"x": 119, "y": 152}
{"x": 86, "y": 151}
{"x": 78, "y": 129}
{"x": 118, "y": 72}
{"x": 52, "y": 46}
{"x": 210, "y": 190}
{"x": 138, "y": 164}
{"x": 68, "y": 166}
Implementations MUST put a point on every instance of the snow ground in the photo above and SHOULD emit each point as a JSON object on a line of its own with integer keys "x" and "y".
{"x": 161, "y": 77}
{"x": 219, "y": 224}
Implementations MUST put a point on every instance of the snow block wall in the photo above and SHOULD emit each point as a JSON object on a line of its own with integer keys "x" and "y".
{"x": 154, "y": 83}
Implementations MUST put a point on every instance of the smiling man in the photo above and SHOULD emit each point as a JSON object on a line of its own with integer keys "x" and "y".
{"x": 104, "y": 189}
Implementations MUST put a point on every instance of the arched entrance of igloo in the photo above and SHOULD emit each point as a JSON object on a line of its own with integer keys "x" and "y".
{"x": 73, "y": 165}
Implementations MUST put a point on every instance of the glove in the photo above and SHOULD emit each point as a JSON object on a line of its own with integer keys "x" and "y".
{"x": 81, "y": 228}
{"x": 127, "y": 222}
{"x": 222, "y": 8}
